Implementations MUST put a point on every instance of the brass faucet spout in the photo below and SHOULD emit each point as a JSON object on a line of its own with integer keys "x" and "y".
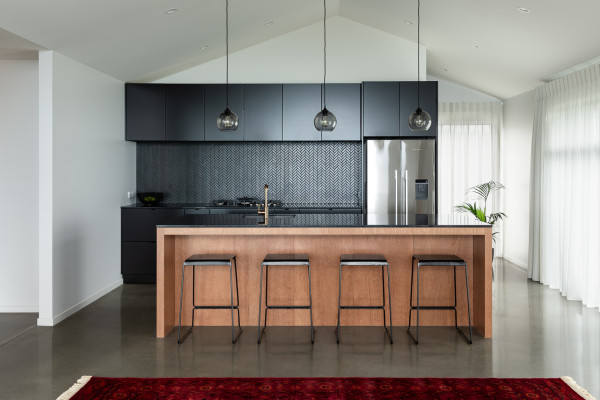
{"x": 265, "y": 211}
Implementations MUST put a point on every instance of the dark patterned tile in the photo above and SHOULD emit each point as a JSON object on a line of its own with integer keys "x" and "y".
{"x": 296, "y": 172}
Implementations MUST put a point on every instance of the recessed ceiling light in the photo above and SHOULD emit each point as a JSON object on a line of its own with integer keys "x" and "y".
{"x": 444, "y": 69}
{"x": 269, "y": 23}
{"x": 523, "y": 10}
{"x": 475, "y": 45}
{"x": 409, "y": 22}
{"x": 171, "y": 11}
{"x": 203, "y": 47}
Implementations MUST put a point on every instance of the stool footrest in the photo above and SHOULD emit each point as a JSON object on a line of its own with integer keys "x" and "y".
{"x": 433, "y": 307}
{"x": 288, "y": 307}
{"x": 216, "y": 307}
{"x": 362, "y": 307}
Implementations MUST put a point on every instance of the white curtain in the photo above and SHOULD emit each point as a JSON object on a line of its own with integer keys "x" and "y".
{"x": 469, "y": 154}
{"x": 564, "y": 222}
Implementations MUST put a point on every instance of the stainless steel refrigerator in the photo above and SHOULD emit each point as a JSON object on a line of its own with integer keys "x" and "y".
{"x": 401, "y": 179}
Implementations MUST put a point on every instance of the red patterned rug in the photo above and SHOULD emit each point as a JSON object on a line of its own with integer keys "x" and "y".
{"x": 92, "y": 388}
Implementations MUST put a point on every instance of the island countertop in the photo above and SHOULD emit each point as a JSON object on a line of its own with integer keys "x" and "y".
{"x": 328, "y": 220}
{"x": 324, "y": 240}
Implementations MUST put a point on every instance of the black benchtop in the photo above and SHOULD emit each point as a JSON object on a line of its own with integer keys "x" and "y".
{"x": 301, "y": 208}
{"x": 326, "y": 220}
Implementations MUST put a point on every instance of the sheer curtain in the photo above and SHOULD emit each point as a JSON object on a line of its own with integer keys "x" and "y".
{"x": 469, "y": 154}
{"x": 564, "y": 222}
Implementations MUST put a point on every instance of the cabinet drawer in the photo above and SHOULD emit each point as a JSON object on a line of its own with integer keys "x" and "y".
{"x": 139, "y": 224}
{"x": 138, "y": 258}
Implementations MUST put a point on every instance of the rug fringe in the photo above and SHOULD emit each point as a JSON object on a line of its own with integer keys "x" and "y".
{"x": 578, "y": 389}
{"x": 75, "y": 388}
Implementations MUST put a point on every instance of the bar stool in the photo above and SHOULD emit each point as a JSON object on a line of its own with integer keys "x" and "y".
{"x": 368, "y": 260}
{"x": 438, "y": 261}
{"x": 199, "y": 260}
{"x": 273, "y": 260}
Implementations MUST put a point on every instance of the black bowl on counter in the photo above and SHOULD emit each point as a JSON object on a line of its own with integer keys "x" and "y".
{"x": 150, "y": 198}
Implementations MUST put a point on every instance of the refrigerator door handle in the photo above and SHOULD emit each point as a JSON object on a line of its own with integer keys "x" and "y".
{"x": 396, "y": 188}
{"x": 406, "y": 194}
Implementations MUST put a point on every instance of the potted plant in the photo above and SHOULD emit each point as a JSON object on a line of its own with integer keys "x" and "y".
{"x": 482, "y": 191}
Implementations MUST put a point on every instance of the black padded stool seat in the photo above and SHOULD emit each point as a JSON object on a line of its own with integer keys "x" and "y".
{"x": 376, "y": 260}
{"x": 438, "y": 260}
{"x": 274, "y": 260}
{"x": 198, "y": 260}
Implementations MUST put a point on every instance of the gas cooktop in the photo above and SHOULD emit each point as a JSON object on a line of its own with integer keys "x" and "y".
{"x": 245, "y": 202}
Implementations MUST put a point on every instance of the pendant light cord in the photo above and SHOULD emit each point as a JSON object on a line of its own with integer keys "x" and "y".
{"x": 227, "y": 50}
{"x": 418, "y": 53}
{"x": 324, "y": 53}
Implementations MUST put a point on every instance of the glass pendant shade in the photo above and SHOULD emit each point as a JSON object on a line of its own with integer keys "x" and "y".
{"x": 227, "y": 120}
{"x": 325, "y": 120}
{"x": 419, "y": 120}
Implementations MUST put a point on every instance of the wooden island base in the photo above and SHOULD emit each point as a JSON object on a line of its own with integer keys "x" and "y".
{"x": 360, "y": 285}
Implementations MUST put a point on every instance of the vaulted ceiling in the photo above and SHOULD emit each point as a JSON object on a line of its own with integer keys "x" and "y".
{"x": 487, "y": 45}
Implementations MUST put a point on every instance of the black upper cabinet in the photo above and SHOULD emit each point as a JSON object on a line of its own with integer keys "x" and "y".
{"x": 343, "y": 100}
{"x": 263, "y": 112}
{"x": 409, "y": 103}
{"x": 301, "y": 102}
{"x": 381, "y": 102}
{"x": 215, "y": 103}
{"x": 144, "y": 112}
{"x": 184, "y": 112}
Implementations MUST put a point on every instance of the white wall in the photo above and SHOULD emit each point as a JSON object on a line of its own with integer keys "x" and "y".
{"x": 516, "y": 167}
{"x": 19, "y": 180}
{"x": 355, "y": 53}
{"x": 92, "y": 168}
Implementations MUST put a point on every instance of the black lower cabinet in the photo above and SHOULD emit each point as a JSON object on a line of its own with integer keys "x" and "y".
{"x": 138, "y": 241}
{"x": 138, "y": 262}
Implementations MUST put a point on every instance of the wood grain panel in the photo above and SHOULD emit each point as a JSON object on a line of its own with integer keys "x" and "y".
{"x": 289, "y": 285}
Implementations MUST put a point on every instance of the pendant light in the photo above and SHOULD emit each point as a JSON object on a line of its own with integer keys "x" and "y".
{"x": 325, "y": 120}
{"x": 227, "y": 120}
{"x": 419, "y": 120}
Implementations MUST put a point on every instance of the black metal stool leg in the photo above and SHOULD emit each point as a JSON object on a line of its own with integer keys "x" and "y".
{"x": 390, "y": 304}
{"x": 337, "y": 329}
{"x": 312, "y": 328}
{"x": 179, "y": 339}
{"x": 455, "y": 313}
{"x": 259, "y": 304}
{"x": 266, "y": 297}
{"x": 383, "y": 295}
{"x": 237, "y": 303}
{"x": 412, "y": 273}
{"x": 468, "y": 305}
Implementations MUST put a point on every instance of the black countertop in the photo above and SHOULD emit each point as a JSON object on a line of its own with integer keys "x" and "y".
{"x": 288, "y": 208}
{"x": 317, "y": 220}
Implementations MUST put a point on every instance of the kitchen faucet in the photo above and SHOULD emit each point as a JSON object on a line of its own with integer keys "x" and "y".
{"x": 266, "y": 208}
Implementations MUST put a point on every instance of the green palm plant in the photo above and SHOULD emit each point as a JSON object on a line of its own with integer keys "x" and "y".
{"x": 483, "y": 191}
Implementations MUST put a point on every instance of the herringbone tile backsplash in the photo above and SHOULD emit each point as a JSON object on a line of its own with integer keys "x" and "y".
{"x": 311, "y": 173}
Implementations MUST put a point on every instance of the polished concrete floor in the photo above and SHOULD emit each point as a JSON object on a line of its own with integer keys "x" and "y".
{"x": 537, "y": 333}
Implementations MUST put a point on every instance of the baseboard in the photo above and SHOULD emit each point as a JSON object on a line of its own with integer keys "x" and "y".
{"x": 19, "y": 309}
{"x": 67, "y": 313}
{"x": 518, "y": 263}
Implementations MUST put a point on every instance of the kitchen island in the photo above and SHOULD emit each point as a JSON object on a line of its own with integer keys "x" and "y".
{"x": 324, "y": 238}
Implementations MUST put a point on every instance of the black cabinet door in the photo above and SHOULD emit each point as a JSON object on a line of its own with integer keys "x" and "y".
{"x": 184, "y": 112}
{"x": 301, "y": 102}
{"x": 263, "y": 112}
{"x": 343, "y": 100}
{"x": 144, "y": 112}
{"x": 381, "y": 102}
{"x": 409, "y": 103}
{"x": 139, "y": 224}
{"x": 138, "y": 258}
{"x": 215, "y": 102}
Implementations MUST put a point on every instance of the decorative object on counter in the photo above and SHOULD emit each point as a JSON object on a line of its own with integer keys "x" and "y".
{"x": 150, "y": 198}
{"x": 325, "y": 120}
{"x": 227, "y": 120}
{"x": 419, "y": 120}
{"x": 483, "y": 191}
